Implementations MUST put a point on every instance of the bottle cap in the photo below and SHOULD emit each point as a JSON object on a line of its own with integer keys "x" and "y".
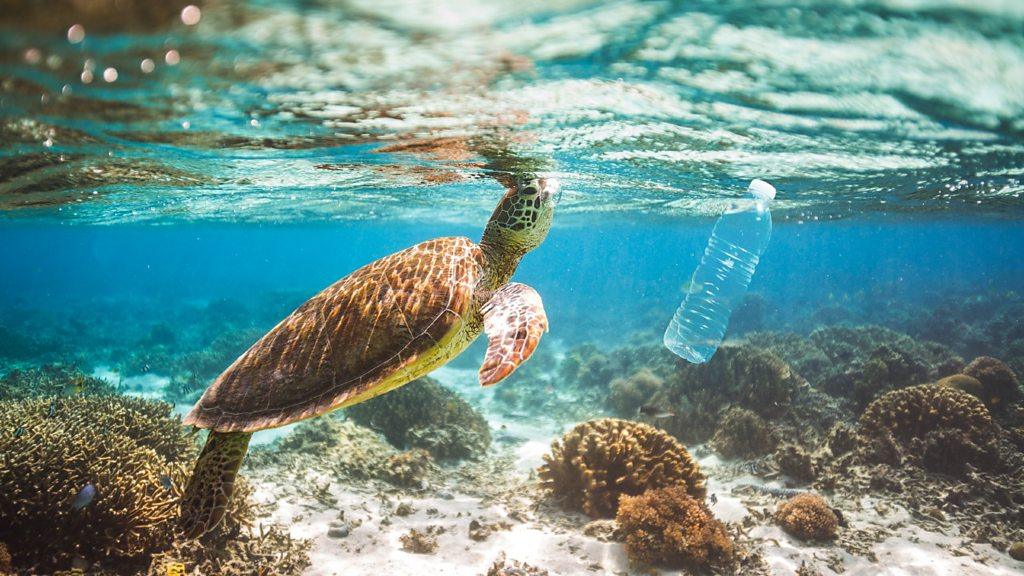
{"x": 761, "y": 189}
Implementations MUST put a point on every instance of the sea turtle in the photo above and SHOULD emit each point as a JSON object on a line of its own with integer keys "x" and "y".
{"x": 374, "y": 330}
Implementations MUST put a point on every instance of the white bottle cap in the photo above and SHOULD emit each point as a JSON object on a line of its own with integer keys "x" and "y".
{"x": 761, "y": 189}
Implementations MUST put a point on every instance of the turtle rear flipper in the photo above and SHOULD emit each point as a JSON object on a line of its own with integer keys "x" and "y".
{"x": 514, "y": 320}
{"x": 213, "y": 481}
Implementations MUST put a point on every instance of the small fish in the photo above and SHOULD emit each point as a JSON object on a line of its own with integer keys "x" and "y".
{"x": 166, "y": 482}
{"x": 53, "y": 409}
{"x": 713, "y": 499}
{"x": 656, "y": 412}
{"x": 19, "y": 431}
{"x": 84, "y": 497}
{"x": 176, "y": 569}
{"x": 753, "y": 468}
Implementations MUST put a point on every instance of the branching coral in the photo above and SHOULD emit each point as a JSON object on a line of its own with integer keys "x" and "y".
{"x": 599, "y": 461}
{"x": 135, "y": 454}
{"x": 124, "y": 447}
{"x": 808, "y": 517}
{"x": 1000, "y": 384}
{"x": 627, "y": 395}
{"x": 670, "y": 526}
{"x": 743, "y": 434}
{"x": 425, "y": 414}
{"x": 50, "y": 380}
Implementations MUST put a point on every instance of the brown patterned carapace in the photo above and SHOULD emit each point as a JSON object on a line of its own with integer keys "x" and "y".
{"x": 378, "y": 328}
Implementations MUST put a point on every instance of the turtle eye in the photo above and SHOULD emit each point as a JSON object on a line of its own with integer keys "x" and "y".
{"x": 528, "y": 190}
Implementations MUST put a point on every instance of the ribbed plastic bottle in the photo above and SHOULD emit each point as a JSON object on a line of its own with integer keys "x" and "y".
{"x": 740, "y": 236}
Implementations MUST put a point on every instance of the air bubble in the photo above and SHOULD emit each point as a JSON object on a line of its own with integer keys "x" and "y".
{"x": 110, "y": 74}
{"x": 172, "y": 57}
{"x": 190, "y": 15}
{"x": 76, "y": 33}
{"x": 147, "y": 66}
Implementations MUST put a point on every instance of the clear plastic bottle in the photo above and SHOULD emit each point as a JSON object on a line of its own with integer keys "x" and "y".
{"x": 720, "y": 281}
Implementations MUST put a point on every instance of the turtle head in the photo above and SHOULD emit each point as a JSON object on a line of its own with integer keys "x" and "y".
{"x": 522, "y": 219}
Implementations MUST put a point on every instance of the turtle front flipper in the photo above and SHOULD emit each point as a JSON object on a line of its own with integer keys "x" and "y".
{"x": 514, "y": 321}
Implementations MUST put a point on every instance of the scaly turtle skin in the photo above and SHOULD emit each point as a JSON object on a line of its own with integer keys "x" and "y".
{"x": 378, "y": 328}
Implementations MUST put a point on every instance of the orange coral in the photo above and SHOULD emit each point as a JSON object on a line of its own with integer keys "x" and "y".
{"x": 669, "y": 526}
{"x": 808, "y": 517}
{"x": 598, "y": 461}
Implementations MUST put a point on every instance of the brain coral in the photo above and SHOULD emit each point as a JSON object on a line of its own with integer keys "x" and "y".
{"x": 999, "y": 383}
{"x": 913, "y": 412}
{"x": 808, "y": 517}
{"x": 425, "y": 414}
{"x": 599, "y": 461}
{"x": 669, "y": 526}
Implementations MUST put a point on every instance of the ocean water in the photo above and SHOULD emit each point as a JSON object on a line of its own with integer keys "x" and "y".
{"x": 174, "y": 181}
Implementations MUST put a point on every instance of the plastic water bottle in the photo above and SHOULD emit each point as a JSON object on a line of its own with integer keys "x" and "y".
{"x": 720, "y": 281}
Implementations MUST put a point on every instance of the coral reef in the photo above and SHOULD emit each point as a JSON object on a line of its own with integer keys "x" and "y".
{"x": 670, "y": 526}
{"x": 627, "y": 395}
{"x": 928, "y": 418}
{"x": 871, "y": 360}
{"x": 408, "y": 469}
{"x": 914, "y": 411}
{"x": 350, "y": 450}
{"x": 808, "y": 517}
{"x": 841, "y": 438}
{"x": 795, "y": 462}
{"x": 50, "y": 380}
{"x": 599, "y": 461}
{"x": 860, "y": 363}
{"x": 421, "y": 541}
{"x": 134, "y": 453}
{"x": 743, "y": 434}
{"x": 505, "y": 567}
{"x": 5, "y": 560}
{"x": 425, "y": 414}
{"x": 966, "y": 383}
{"x": 999, "y": 384}
{"x": 737, "y": 375}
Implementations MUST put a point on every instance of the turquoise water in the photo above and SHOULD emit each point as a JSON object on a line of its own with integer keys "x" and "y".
{"x": 173, "y": 184}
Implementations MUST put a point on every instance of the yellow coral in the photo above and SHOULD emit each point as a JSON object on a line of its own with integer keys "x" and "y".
{"x": 669, "y": 526}
{"x": 808, "y": 517}
{"x": 598, "y": 461}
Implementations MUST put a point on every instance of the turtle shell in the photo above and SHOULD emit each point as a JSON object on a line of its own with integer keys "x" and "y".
{"x": 379, "y": 327}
